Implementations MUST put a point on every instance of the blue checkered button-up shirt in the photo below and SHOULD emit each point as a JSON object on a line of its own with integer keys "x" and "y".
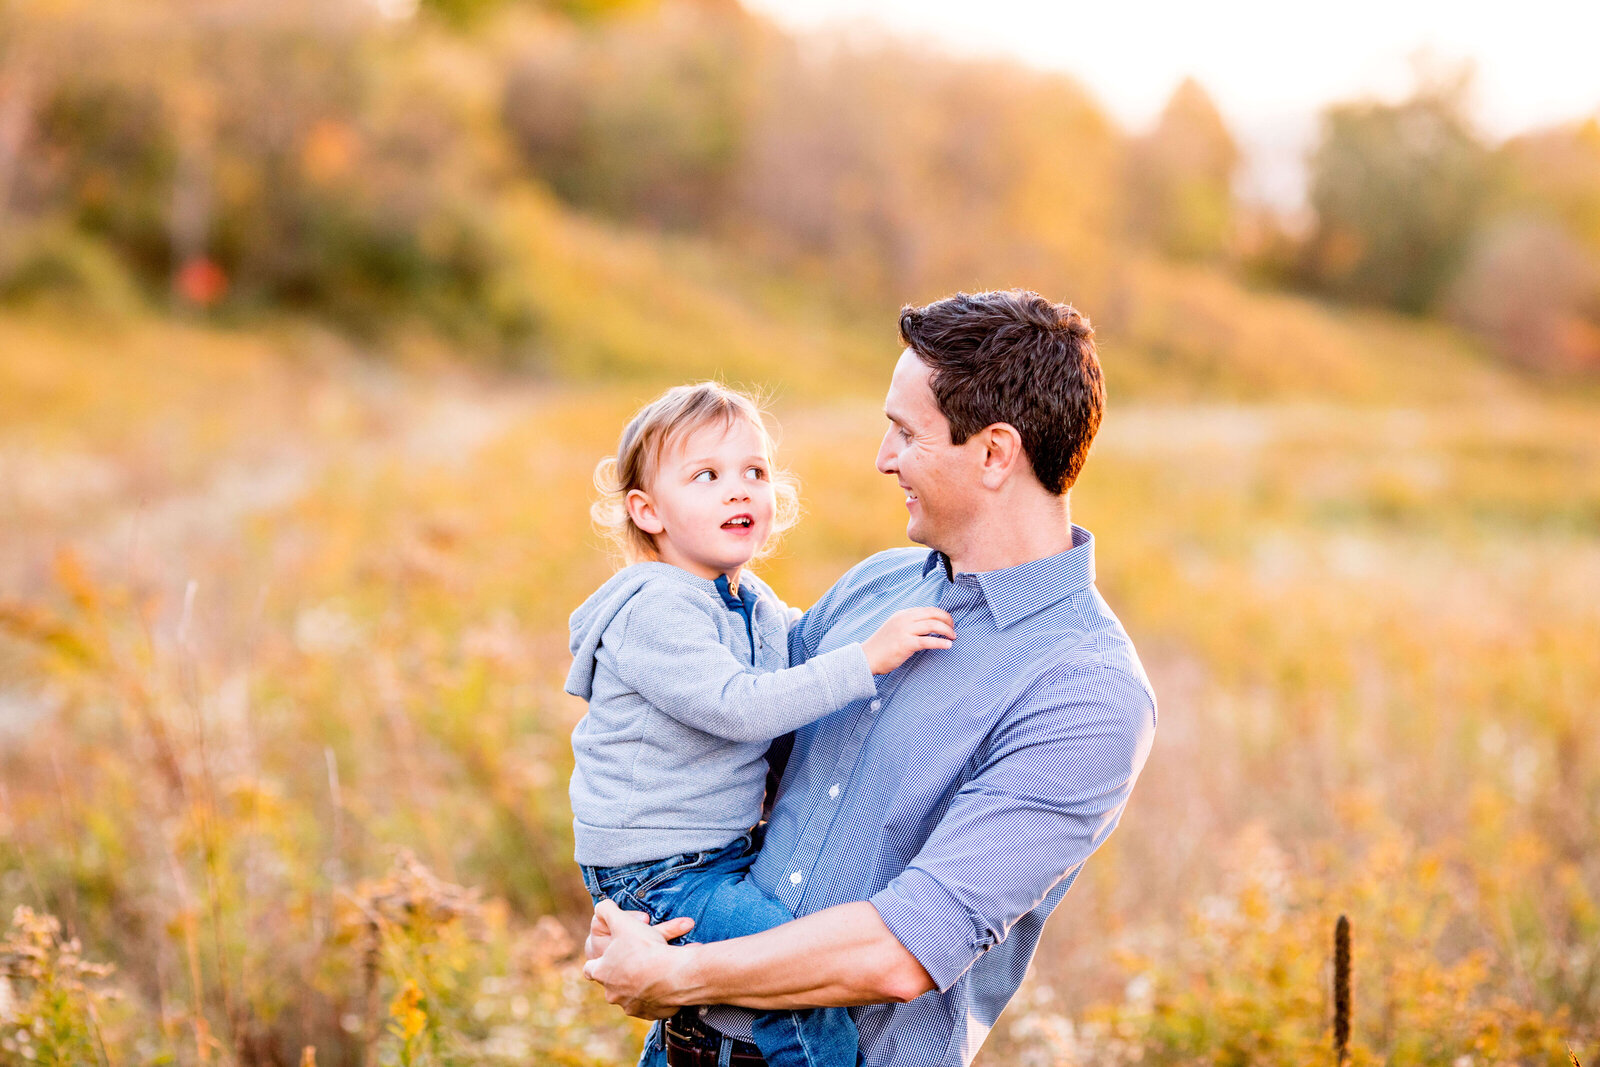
{"x": 963, "y": 800}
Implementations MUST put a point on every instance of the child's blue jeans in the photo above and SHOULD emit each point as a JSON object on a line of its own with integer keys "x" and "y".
{"x": 714, "y": 889}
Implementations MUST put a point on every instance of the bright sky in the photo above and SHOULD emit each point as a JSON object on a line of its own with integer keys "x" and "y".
{"x": 1269, "y": 64}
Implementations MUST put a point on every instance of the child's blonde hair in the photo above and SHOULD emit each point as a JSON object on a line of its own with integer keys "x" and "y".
{"x": 681, "y": 410}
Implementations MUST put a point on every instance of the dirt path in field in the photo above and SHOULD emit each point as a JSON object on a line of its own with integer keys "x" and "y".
{"x": 124, "y": 512}
{"x": 136, "y": 522}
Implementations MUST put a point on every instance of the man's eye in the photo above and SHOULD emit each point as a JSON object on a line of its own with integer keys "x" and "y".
{"x": 755, "y": 473}
{"x": 905, "y": 434}
{"x": 705, "y": 476}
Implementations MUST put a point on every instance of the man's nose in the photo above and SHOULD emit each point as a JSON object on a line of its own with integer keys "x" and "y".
{"x": 887, "y": 457}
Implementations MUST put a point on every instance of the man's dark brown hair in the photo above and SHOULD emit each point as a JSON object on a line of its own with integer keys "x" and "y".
{"x": 1012, "y": 356}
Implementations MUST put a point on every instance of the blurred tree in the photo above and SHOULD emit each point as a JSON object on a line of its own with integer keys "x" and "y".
{"x": 644, "y": 119}
{"x": 17, "y": 88}
{"x": 892, "y": 172}
{"x": 1180, "y": 177}
{"x": 1533, "y": 291}
{"x": 1398, "y": 190}
{"x": 259, "y": 153}
{"x": 465, "y": 13}
{"x": 877, "y": 168}
{"x": 1267, "y": 245}
{"x": 1555, "y": 173}
{"x": 1530, "y": 286}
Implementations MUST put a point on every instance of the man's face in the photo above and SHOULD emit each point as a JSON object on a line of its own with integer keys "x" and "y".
{"x": 710, "y": 504}
{"x": 940, "y": 479}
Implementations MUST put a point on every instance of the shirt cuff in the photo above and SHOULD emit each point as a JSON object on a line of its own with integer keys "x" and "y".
{"x": 931, "y": 924}
{"x": 849, "y": 677}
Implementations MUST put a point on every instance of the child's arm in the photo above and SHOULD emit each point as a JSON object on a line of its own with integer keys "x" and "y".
{"x": 670, "y": 654}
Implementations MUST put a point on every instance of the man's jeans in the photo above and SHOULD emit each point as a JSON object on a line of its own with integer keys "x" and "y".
{"x": 714, "y": 889}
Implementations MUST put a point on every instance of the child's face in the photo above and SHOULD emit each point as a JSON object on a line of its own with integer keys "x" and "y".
{"x": 710, "y": 505}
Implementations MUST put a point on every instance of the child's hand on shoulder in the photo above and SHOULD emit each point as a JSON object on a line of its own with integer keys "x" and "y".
{"x": 906, "y": 632}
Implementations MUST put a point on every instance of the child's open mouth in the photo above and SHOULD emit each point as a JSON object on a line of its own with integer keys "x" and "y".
{"x": 739, "y": 522}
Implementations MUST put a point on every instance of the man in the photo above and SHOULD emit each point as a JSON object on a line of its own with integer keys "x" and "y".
{"x": 922, "y": 837}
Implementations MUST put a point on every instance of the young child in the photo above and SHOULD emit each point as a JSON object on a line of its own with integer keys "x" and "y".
{"x": 683, "y": 658}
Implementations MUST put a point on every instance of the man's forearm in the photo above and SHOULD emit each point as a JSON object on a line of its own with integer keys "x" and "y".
{"x": 839, "y": 957}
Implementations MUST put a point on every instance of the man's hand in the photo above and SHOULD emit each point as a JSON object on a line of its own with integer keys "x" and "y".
{"x": 594, "y": 946}
{"x": 632, "y": 959}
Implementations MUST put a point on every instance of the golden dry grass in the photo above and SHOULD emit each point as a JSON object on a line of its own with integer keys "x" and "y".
{"x": 273, "y": 611}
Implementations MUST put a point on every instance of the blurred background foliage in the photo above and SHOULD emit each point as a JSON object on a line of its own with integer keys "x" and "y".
{"x": 353, "y": 160}
{"x": 314, "y": 318}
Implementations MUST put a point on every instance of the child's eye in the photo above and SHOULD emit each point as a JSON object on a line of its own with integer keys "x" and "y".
{"x": 755, "y": 473}
{"x": 706, "y": 475}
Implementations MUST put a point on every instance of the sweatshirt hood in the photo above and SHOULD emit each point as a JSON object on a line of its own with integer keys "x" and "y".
{"x": 589, "y": 622}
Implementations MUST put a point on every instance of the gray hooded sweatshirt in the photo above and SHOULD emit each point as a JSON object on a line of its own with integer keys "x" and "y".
{"x": 671, "y": 756}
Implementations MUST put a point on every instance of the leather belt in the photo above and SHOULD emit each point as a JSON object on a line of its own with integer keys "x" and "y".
{"x": 691, "y": 1043}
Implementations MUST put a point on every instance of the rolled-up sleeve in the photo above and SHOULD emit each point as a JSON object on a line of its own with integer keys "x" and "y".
{"x": 1049, "y": 789}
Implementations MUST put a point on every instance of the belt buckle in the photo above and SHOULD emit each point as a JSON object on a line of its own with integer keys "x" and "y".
{"x": 682, "y": 1051}
{"x": 696, "y": 1047}
{"x": 688, "y": 1040}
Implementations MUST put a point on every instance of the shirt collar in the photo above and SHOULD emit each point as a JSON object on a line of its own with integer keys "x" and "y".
{"x": 1014, "y": 593}
{"x": 734, "y": 603}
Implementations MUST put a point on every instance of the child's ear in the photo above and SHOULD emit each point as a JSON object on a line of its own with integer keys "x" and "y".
{"x": 643, "y": 512}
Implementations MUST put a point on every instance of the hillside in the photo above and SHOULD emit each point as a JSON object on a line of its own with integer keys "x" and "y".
{"x": 630, "y": 305}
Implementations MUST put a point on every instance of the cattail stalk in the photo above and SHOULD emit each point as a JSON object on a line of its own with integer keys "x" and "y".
{"x": 1341, "y": 991}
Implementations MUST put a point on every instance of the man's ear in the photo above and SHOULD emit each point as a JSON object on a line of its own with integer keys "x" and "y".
{"x": 643, "y": 512}
{"x": 1002, "y": 453}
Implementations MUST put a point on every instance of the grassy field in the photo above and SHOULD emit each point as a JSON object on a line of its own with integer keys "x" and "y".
{"x": 282, "y": 632}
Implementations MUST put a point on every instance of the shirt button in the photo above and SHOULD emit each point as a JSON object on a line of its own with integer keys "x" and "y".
{"x": 834, "y": 790}
{"x": 876, "y": 704}
{"x": 796, "y": 878}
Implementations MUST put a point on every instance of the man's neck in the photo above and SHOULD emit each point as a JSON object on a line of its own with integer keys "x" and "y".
{"x": 1012, "y": 536}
